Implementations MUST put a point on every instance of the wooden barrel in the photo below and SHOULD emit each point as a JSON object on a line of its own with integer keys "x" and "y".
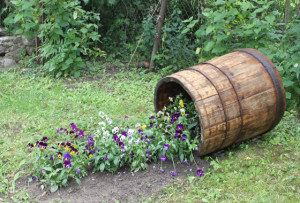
{"x": 237, "y": 96}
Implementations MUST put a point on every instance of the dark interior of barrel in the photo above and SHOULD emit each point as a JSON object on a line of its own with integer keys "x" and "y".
{"x": 166, "y": 90}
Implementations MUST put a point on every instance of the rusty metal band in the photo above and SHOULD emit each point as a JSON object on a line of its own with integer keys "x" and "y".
{"x": 237, "y": 96}
{"x": 279, "y": 92}
{"x": 225, "y": 114}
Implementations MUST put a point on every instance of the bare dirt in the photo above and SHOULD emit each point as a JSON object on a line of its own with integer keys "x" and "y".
{"x": 123, "y": 186}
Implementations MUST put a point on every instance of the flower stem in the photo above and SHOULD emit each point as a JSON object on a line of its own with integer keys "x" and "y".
{"x": 173, "y": 163}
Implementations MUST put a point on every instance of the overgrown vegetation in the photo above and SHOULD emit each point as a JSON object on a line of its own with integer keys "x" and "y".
{"x": 73, "y": 32}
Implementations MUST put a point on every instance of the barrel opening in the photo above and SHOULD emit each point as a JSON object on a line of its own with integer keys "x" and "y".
{"x": 166, "y": 90}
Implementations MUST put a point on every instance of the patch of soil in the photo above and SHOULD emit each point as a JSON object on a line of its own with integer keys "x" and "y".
{"x": 123, "y": 186}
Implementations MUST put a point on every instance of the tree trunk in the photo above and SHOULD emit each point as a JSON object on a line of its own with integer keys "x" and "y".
{"x": 158, "y": 32}
{"x": 287, "y": 12}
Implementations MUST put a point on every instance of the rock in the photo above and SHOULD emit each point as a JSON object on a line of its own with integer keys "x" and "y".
{"x": 8, "y": 63}
{"x": 2, "y": 32}
{"x": 2, "y": 51}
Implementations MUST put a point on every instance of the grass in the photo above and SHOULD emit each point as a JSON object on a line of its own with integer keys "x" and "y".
{"x": 32, "y": 106}
{"x": 264, "y": 169}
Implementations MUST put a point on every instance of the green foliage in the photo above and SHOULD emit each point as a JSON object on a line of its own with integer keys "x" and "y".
{"x": 67, "y": 33}
{"x": 254, "y": 24}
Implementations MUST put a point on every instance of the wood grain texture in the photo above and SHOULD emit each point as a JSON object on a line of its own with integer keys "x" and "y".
{"x": 235, "y": 96}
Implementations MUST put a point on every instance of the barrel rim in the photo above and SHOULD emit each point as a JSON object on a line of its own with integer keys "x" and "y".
{"x": 168, "y": 79}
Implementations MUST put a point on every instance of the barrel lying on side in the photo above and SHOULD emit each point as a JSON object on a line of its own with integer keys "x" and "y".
{"x": 237, "y": 96}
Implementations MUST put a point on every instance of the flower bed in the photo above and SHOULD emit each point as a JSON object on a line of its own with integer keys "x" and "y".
{"x": 171, "y": 133}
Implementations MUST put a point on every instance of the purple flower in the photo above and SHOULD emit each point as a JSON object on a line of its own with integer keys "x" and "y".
{"x": 115, "y": 137}
{"x": 148, "y": 141}
{"x": 42, "y": 171}
{"x": 163, "y": 158}
{"x": 183, "y": 137}
{"x": 166, "y": 147}
{"x": 74, "y": 127}
{"x": 105, "y": 158}
{"x": 67, "y": 161}
{"x": 98, "y": 149}
{"x": 131, "y": 154}
{"x": 44, "y": 139}
{"x": 152, "y": 117}
{"x": 68, "y": 165}
{"x": 175, "y": 117}
{"x": 124, "y": 133}
{"x": 151, "y": 125}
{"x": 121, "y": 144}
{"x": 179, "y": 127}
{"x": 90, "y": 142}
{"x": 192, "y": 120}
{"x": 156, "y": 126}
{"x": 78, "y": 170}
{"x": 152, "y": 137}
{"x": 51, "y": 158}
{"x": 177, "y": 135}
{"x": 173, "y": 173}
{"x": 148, "y": 154}
{"x": 200, "y": 173}
{"x": 67, "y": 156}
{"x": 35, "y": 178}
{"x": 162, "y": 170}
{"x": 185, "y": 162}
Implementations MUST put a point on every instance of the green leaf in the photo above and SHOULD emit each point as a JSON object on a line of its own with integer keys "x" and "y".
{"x": 270, "y": 18}
{"x": 209, "y": 46}
{"x": 191, "y": 158}
{"x": 53, "y": 188}
{"x": 287, "y": 83}
{"x": 78, "y": 181}
{"x": 185, "y": 30}
{"x": 209, "y": 29}
{"x": 102, "y": 167}
{"x": 288, "y": 95}
{"x": 18, "y": 16}
{"x": 181, "y": 156}
{"x": 116, "y": 161}
{"x": 77, "y": 74}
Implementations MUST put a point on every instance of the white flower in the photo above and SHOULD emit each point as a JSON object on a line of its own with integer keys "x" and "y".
{"x": 137, "y": 125}
{"x": 106, "y": 133}
{"x": 125, "y": 148}
{"x": 182, "y": 110}
{"x": 121, "y": 156}
{"x": 103, "y": 129}
{"x": 109, "y": 121}
{"x": 123, "y": 137}
{"x": 115, "y": 130}
{"x": 137, "y": 141}
{"x": 101, "y": 114}
{"x": 159, "y": 113}
{"x": 130, "y": 142}
{"x": 102, "y": 123}
{"x": 296, "y": 65}
{"x": 160, "y": 125}
{"x": 130, "y": 132}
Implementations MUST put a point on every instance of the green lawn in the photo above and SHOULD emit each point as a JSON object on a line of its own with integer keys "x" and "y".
{"x": 33, "y": 106}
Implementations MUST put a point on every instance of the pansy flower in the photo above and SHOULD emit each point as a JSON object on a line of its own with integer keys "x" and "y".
{"x": 200, "y": 173}
{"x": 121, "y": 144}
{"x": 148, "y": 154}
{"x": 105, "y": 158}
{"x": 131, "y": 154}
{"x": 173, "y": 173}
{"x": 166, "y": 147}
{"x": 163, "y": 158}
{"x": 183, "y": 137}
{"x": 179, "y": 127}
{"x": 78, "y": 170}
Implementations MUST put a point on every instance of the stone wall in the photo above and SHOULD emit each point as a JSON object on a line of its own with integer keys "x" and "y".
{"x": 12, "y": 48}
